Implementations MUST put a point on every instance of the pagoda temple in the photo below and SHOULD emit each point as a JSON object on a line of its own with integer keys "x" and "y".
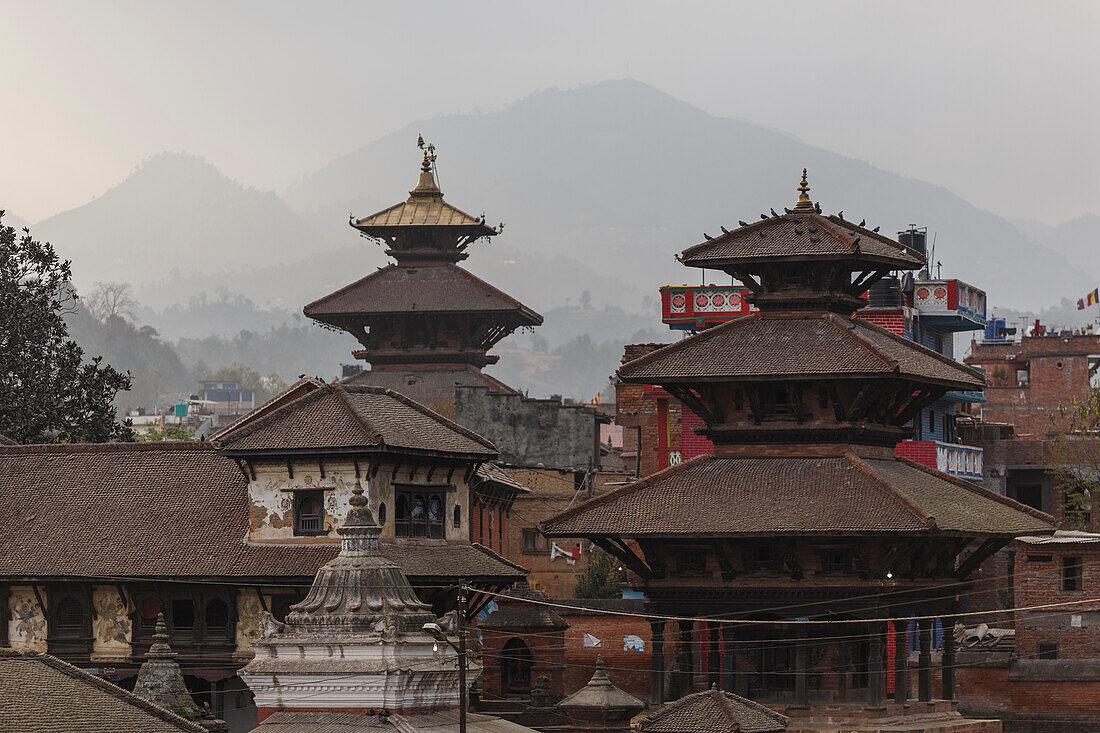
{"x": 803, "y": 513}
{"x": 425, "y": 324}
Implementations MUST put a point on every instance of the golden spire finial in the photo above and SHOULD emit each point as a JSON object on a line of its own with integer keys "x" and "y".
{"x": 427, "y": 185}
{"x": 804, "y": 201}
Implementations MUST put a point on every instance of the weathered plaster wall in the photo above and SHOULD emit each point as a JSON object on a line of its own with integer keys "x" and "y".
{"x": 27, "y": 624}
{"x": 111, "y": 624}
{"x": 271, "y": 495}
{"x": 248, "y": 621}
{"x": 530, "y": 432}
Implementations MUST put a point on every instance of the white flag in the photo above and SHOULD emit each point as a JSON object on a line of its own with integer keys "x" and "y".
{"x": 590, "y": 640}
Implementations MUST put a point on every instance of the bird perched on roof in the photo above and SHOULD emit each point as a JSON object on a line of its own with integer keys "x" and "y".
{"x": 876, "y": 229}
{"x": 707, "y": 236}
{"x": 742, "y": 223}
{"x": 817, "y": 207}
{"x": 862, "y": 222}
{"x": 787, "y": 211}
{"x": 761, "y": 233}
{"x": 840, "y": 214}
{"x": 763, "y": 216}
{"x": 724, "y": 230}
{"x": 856, "y": 240}
{"x": 773, "y": 213}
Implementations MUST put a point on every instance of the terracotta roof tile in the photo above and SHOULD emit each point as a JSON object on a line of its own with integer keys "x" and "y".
{"x": 144, "y": 510}
{"x": 442, "y": 288}
{"x": 39, "y": 692}
{"x": 763, "y": 346}
{"x": 796, "y": 495}
{"x": 789, "y": 237}
{"x": 713, "y": 711}
{"x": 344, "y": 417}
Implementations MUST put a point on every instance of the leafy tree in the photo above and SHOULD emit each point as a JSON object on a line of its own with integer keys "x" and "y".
{"x": 602, "y": 577}
{"x": 1074, "y": 457}
{"x": 168, "y": 432}
{"x": 48, "y": 391}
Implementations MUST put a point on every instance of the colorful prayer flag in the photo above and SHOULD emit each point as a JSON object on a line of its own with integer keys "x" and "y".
{"x": 1080, "y": 304}
{"x": 1094, "y": 297}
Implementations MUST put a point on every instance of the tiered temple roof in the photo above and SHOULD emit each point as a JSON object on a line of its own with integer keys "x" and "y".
{"x": 425, "y": 310}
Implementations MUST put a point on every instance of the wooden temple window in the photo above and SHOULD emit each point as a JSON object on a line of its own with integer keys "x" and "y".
{"x": 692, "y": 562}
{"x": 1048, "y": 650}
{"x": 836, "y": 561}
{"x": 779, "y": 403}
{"x": 1071, "y": 574}
{"x": 758, "y": 558}
{"x": 69, "y": 618}
{"x": 217, "y": 616}
{"x": 419, "y": 514}
{"x": 382, "y": 514}
{"x": 309, "y": 513}
{"x": 458, "y": 517}
{"x": 534, "y": 542}
{"x": 183, "y": 616}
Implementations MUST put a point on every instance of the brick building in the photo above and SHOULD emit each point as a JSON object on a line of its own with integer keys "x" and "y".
{"x": 802, "y": 511}
{"x": 1027, "y": 380}
{"x": 1043, "y": 675}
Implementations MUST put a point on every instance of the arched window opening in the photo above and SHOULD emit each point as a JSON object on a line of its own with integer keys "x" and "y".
{"x": 70, "y": 617}
{"x": 382, "y": 514}
{"x": 419, "y": 514}
{"x": 458, "y": 517}
{"x": 515, "y": 667}
{"x": 217, "y": 615}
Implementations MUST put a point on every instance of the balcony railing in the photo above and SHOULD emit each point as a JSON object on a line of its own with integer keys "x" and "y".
{"x": 952, "y": 298}
{"x": 695, "y": 307}
{"x": 964, "y": 461}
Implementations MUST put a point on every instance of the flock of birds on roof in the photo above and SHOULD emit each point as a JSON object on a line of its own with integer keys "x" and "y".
{"x": 812, "y": 229}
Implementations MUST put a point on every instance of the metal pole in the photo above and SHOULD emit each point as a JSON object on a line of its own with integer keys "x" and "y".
{"x": 461, "y": 658}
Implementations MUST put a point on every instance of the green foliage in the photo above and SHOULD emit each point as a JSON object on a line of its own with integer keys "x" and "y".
{"x": 1074, "y": 457}
{"x": 167, "y": 433}
{"x": 602, "y": 577}
{"x": 48, "y": 391}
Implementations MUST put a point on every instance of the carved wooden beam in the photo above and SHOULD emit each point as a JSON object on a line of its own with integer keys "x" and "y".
{"x": 620, "y": 550}
{"x": 983, "y": 553}
{"x": 834, "y": 397}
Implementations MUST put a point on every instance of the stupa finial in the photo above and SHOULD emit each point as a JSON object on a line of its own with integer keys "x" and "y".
{"x": 804, "y": 202}
{"x": 426, "y": 187}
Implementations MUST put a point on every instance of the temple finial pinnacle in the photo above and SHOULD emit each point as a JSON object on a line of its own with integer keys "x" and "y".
{"x": 804, "y": 202}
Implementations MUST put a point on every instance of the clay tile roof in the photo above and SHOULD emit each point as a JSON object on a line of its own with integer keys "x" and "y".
{"x": 797, "y": 495}
{"x": 763, "y": 346}
{"x": 39, "y": 692}
{"x": 148, "y": 510}
{"x": 437, "y": 288}
{"x": 788, "y": 237}
{"x": 352, "y": 417}
{"x": 491, "y": 473}
{"x": 713, "y": 711}
{"x": 424, "y": 207}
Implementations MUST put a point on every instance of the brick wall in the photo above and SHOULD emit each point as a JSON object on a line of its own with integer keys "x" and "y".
{"x": 655, "y": 413}
{"x": 1039, "y": 580}
{"x": 629, "y": 670}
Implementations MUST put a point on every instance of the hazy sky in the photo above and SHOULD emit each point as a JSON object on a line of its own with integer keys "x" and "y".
{"x": 997, "y": 101}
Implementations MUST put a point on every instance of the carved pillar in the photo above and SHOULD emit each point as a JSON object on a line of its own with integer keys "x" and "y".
{"x": 657, "y": 662}
{"x": 901, "y": 661}
{"x": 875, "y": 678}
{"x": 948, "y": 664}
{"x": 801, "y": 669}
{"x": 714, "y": 655}
{"x": 729, "y": 660}
{"x": 924, "y": 673}
{"x": 683, "y": 659}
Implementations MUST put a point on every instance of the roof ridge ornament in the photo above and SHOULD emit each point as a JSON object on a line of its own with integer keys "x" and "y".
{"x": 426, "y": 187}
{"x": 804, "y": 202}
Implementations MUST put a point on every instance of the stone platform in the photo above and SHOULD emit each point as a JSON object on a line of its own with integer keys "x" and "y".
{"x": 938, "y": 716}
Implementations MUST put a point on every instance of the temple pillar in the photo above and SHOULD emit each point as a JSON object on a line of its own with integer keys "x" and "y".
{"x": 657, "y": 662}
{"x": 683, "y": 659}
{"x": 876, "y": 680}
{"x": 842, "y": 672}
{"x": 714, "y": 655}
{"x": 924, "y": 673}
{"x": 802, "y": 669}
{"x": 947, "y": 667}
{"x": 901, "y": 661}
{"x": 729, "y": 660}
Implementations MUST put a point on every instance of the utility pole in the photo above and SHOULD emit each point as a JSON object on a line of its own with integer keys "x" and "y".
{"x": 462, "y": 701}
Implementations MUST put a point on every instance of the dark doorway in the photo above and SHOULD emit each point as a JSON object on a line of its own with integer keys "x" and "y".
{"x": 515, "y": 668}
